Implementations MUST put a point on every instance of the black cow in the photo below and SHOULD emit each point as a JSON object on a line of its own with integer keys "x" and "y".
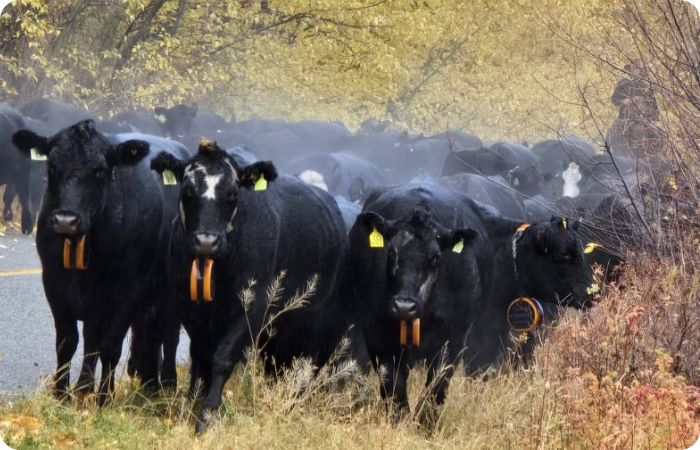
{"x": 102, "y": 237}
{"x": 517, "y": 164}
{"x": 493, "y": 191}
{"x": 348, "y": 210}
{"x": 400, "y": 156}
{"x": 560, "y": 162}
{"x": 418, "y": 252}
{"x": 250, "y": 224}
{"x": 29, "y": 176}
{"x": 140, "y": 121}
{"x": 543, "y": 261}
{"x": 188, "y": 123}
{"x": 15, "y": 169}
{"x": 54, "y": 114}
{"x": 339, "y": 174}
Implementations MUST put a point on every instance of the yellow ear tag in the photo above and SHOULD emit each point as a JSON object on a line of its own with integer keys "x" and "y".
{"x": 169, "y": 178}
{"x": 517, "y": 182}
{"x": 590, "y": 247}
{"x": 261, "y": 184}
{"x": 376, "y": 240}
{"x": 563, "y": 222}
{"x": 161, "y": 118}
{"x": 36, "y": 156}
{"x": 459, "y": 246}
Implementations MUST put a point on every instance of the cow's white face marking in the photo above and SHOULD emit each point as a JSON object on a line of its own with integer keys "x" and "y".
{"x": 313, "y": 178}
{"x": 210, "y": 183}
{"x": 571, "y": 176}
{"x": 192, "y": 169}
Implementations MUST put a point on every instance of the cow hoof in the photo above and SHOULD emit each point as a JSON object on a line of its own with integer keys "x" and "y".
{"x": 26, "y": 230}
{"x": 169, "y": 384}
{"x": 203, "y": 422}
{"x": 62, "y": 396}
{"x": 8, "y": 216}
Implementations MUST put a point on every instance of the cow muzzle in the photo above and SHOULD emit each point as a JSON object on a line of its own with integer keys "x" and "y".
{"x": 405, "y": 307}
{"x": 206, "y": 244}
{"x": 65, "y": 223}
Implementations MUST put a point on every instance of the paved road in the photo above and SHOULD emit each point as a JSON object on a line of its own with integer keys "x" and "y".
{"x": 26, "y": 326}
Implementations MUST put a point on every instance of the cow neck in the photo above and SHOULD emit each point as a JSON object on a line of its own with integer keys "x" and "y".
{"x": 505, "y": 235}
{"x": 514, "y": 249}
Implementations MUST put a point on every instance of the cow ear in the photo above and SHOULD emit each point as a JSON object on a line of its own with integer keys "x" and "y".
{"x": 372, "y": 220}
{"x": 456, "y": 240}
{"x": 166, "y": 161}
{"x": 127, "y": 153}
{"x": 251, "y": 174}
{"x": 26, "y": 140}
{"x": 160, "y": 111}
{"x": 194, "y": 109}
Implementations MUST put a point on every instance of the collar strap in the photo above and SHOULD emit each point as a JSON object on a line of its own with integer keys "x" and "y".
{"x": 516, "y": 237}
{"x": 523, "y": 227}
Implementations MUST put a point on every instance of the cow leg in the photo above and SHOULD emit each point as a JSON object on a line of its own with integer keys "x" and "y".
{"x": 393, "y": 387}
{"x": 200, "y": 375}
{"x": 91, "y": 336}
{"x": 171, "y": 337}
{"x": 439, "y": 386}
{"x": 438, "y": 381}
{"x": 227, "y": 354}
{"x": 110, "y": 351}
{"x": 7, "y": 199}
{"x": 66, "y": 344}
{"x": 27, "y": 216}
{"x": 150, "y": 351}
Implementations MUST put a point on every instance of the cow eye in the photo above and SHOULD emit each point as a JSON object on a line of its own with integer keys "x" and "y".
{"x": 434, "y": 260}
{"x": 392, "y": 253}
{"x": 188, "y": 192}
{"x": 232, "y": 197}
{"x": 100, "y": 173}
{"x": 563, "y": 255}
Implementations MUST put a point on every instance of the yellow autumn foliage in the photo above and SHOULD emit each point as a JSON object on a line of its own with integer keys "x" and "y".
{"x": 501, "y": 69}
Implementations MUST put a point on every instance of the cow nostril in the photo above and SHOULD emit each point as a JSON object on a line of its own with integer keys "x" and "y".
{"x": 65, "y": 223}
{"x": 206, "y": 244}
{"x": 405, "y": 308}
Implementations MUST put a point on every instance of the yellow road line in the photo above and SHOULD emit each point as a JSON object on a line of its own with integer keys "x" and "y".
{"x": 20, "y": 272}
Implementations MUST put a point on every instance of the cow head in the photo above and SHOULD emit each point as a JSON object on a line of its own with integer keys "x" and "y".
{"x": 551, "y": 265}
{"x": 209, "y": 186}
{"x": 80, "y": 169}
{"x": 527, "y": 180}
{"x": 176, "y": 121}
{"x": 415, "y": 246}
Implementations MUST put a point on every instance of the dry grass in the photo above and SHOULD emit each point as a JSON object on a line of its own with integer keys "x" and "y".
{"x": 618, "y": 377}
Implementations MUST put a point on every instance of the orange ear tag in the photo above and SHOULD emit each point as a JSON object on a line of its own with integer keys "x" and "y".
{"x": 416, "y": 333}
{"x": 208, "y": 286}
{"x": 80, "y": 262}
{"x": 404, "y": 333}
{"x": 67, "y": 244}
{"x": 194, "y": 281}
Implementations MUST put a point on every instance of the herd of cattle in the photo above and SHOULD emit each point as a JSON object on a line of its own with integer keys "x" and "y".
{"x": 417, "y": 242}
